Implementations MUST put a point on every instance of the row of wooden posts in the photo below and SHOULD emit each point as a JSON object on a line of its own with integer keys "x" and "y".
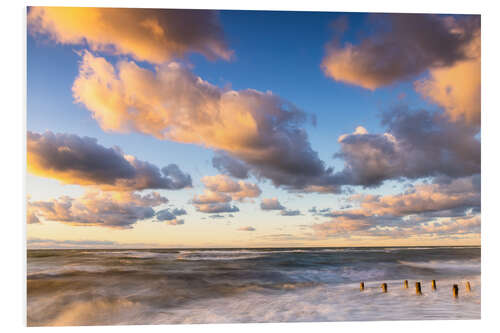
{"x": 418, "y": 287}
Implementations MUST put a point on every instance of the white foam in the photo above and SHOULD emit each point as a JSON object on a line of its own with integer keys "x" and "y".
{"x": 471, "y": 265}
{"x": 217, "y": 258}
{"x": 334, "y": 303}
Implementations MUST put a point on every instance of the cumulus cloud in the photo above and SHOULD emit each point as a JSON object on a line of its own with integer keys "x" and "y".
{"x": 220, "y": 191}
{"x": 153, "y": 35}
{"x": 175, "y": 222}
{"x": 424, "y": 208}
{"x": 31, "y": 217}
{"x": 261, "y": 130}
{"x": 170, "y": 216}
{"x": 289, "y": 212}
{"x": 463, "y": 193}
{"x": 274, "y": 204}
{"x": 165, "y": 215}
{"x": 81, "y": 160}
{"x": 460, "y": 226}
{"x": 320, "y": 212}
{"x": 216, "y": 207}
{"x": 231, "y": 166}
{"x": 400, "y": 47}
{"x": 237, "y": 190}
{"x": 271, "y": 204}
{"x": 341, "y": 226}
{"x": 119, "y": 210}
{"x": 217, "y": 216}
{"x": 211, "y": 197}
{"x": 417, "y": 144}
{"x": 246, "y": 229}
{"x": 457, "y": 88}
{"x": 179, "y": 211}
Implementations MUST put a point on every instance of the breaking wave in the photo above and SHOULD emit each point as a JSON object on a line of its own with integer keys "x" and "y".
{"x": 175, "y": 286}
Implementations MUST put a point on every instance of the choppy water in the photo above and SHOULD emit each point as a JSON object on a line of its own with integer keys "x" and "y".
{"x": 111, "y": 287}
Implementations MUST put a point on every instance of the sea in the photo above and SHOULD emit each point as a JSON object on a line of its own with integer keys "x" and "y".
{"x": 74, "y": 287}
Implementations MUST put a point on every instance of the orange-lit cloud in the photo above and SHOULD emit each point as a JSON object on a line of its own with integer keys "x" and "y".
{"x": 81, "y": 160}
{"x": 172, "y": 103}
{"x": 417, "y": 144}
{"x": 153, "y": 35}
{"x": 31, "y": 217}
{"x": 457, "y": 226}
{"x": 220, "y": 191}
{"x": 226, "y": 164}
{"x": 401, "y": 47}
{"x": 426, "y": 208}
{"x": 460, "y": 193}
{"x": 342, "y": 225}
{"x": 274, "y": 204}
{"x": 271, "y": 204}
{"x": 249, "y": 228}
{"x": 457, "y": 88}
{"x": 119, "y": 210}
{"x": 216, "y": 207}
{"x": 237, "y": 190}
{"x": 171, "y": 216}
{"x": 211, "y": 197}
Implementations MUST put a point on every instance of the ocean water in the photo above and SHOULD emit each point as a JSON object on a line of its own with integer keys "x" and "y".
{"x": 187, "y": 286}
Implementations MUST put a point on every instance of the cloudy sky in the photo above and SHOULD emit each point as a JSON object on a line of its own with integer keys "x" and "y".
{"x": 179, "y": 128}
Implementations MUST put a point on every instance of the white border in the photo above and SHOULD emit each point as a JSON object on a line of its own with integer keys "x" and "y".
{"x": 13, "y": 299}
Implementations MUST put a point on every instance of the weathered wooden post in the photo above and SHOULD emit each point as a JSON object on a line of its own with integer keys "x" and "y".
{"x": 418, "y": 288}
{"x": 361, "y": 286}
{"x": 405, "y": 284}
{"x": 384, "y": 287}
{"x": 434, "y": 285}
{"x": 455, "y": 290}
{"x": 467, "y": 287}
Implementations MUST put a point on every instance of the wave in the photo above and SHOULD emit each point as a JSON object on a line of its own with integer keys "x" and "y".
{"x": 368, "y": 250}
{"x": 231, "y": 254}
{"x": 247, "y": 285}
{"x": 280, "y": 303}
{"x": 134, "y": 254}
{"x": 195, "y": 257}
{"x": 455, "y": 265}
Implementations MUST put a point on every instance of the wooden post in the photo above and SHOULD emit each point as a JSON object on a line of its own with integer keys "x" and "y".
{"x": 361, "y": 286}
{"x": 455, "y": 290}
{"x": 384, "y": 287}
{"x": 434, "y": 285}
{"x": 467, "y": 286}
{"x": 405, "y": 284}
{"x": 418, "y": 288}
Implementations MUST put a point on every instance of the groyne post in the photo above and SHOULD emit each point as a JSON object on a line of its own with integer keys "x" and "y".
{"x": 405, "y": 284}
{"x": 361, "y": 286}
{"x": 418, "y": 288}
{"x": 434, "y": 285}
{"x": 455, "y": 290}
{"x": 384, "y": 287}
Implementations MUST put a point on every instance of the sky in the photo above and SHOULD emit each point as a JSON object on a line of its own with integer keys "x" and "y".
{"x": 183, "y": 128}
